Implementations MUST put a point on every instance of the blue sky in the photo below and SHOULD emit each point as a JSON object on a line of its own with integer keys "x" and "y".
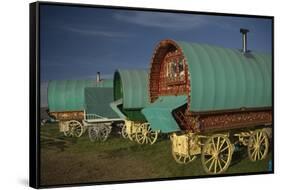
{"x": 76, "y": 42}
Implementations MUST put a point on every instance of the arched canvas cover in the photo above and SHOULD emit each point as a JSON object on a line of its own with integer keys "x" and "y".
{"x": 132, "y": 87}
{"x": 220, "y": 78}
{"x": 130, "y": 94}
{"x": 68, "y": 95}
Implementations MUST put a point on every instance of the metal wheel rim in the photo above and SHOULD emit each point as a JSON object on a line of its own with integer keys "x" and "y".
{"x": 216, "y": 154}
{"x": 258, "y": 146}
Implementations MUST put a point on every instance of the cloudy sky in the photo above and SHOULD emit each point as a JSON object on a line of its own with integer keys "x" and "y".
{"x": 76, "y": 42}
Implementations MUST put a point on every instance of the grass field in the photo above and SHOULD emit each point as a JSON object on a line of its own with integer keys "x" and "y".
{"x": 66, "y": 160}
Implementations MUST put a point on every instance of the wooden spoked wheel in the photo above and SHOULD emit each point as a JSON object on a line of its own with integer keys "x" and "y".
{"x": 75, "y": 128}
{"x": 216, "y": 154}
{"x": 131, "y": 131}
{"x": 183, "y": 159}
{"x": 104, "y": 132}
{"x": 99, "y": 132}
{"x": 124, "y": 132}
{"x": 67, "y": 132}
{"x": 132, "y": 136}
{"x": 145, "y": 135}
{"x": 93, "y": 134}
{"x": 258, "y": 145}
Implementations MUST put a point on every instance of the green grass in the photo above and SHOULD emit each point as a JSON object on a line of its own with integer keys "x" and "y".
{"x": 67, "y": 160}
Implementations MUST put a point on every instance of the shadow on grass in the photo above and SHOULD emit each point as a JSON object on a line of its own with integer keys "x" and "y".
{"x": 57, "y": 143}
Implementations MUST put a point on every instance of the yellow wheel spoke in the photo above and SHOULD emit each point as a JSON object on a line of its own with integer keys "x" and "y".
{"x": 184, "y": 159}
{"x": 253, "y": 153}
{"x": 221, "y": 144}
{"x": 224, "y": 148}
{"x": 256, "y": 153}
{"x": 146, "y": 140}
{"x": 209, "y": 160}
{"x": 218, "y": 144}
{"x": 180, "y": 157}
{"x": 211, "y": 165}
{"x": 213, "y": 144}
{"x": 260, "y": 136}
{"x": 263, "y": 138}
{"x": 149, "y": 140}
{"x": 216, "y": 162}
{"x": 143, "y": 140}
{"x": 262, "y": 153}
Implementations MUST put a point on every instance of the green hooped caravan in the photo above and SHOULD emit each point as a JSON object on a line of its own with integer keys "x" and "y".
{"x": 81, "y": 105}
{"x": 130, "y": 97}
{"x": 210, "y": 99}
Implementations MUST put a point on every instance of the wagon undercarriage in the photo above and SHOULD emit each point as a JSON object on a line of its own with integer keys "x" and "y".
{"x": 216, "y": 149}
{"x": 139, "y": 132}
{"x": 215, "y": 135}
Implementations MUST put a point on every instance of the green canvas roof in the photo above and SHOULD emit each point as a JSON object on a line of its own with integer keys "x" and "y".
{"x": 132, "y": 87}
{"x": 68, "y": 95}
{"x": 97, "y": 101}
{"x": 159, "y": 113}
{"x": 223, "y": 78}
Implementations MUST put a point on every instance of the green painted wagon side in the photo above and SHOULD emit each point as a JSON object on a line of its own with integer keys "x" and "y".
{"x": 226, "y": 79}
{"x": 97, "y": 101}
{"x": 68, "y": 95}
{"x": 132, "y": 87}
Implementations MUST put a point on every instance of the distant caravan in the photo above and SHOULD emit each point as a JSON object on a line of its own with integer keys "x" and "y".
{"x": 131, "y": 96}
{"x": 81, "y": 105}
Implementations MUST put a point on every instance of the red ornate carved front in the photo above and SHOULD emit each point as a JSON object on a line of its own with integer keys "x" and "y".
{"x": 172, "y": 79}
{"x": 169, "y": 71}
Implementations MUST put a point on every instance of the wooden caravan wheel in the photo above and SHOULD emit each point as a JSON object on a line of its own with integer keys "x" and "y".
{"x": 66, "y": 129}
{"x": 76, "y": 128}
{"x": 258, "y": 145}
{"x": 183, "y": 159}
{"x": 104, "y": 132}
{"x": 93, "y": 133}
{"x": 216, "y": 154}
{"x": 124, "y": 131}
{"x": 67, "y": 133}
{"x": 131, "y": 131}
{"x": 145, "y": 135}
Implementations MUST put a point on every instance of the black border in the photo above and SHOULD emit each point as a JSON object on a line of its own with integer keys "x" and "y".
{"x": 34, "y": 91}
{"x": 34, "y": 97}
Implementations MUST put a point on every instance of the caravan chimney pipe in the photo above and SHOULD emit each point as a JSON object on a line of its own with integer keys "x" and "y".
{"x": 244, "y": 39}
{"x": 98, "y": 77}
